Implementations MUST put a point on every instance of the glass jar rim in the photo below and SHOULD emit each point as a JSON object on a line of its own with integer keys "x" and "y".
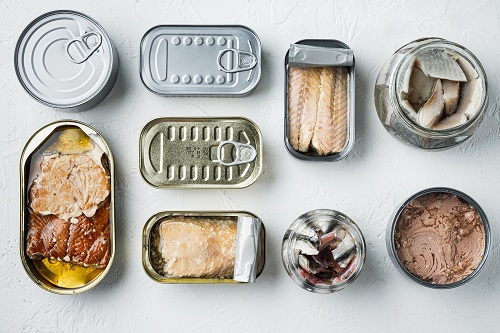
{"x": 463, "y": 52}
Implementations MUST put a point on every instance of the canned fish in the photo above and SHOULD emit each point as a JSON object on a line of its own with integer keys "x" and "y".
{"x": 319, "y": 100}
{"x": 67, "y": 225}
{"x": 200, "y": 60}
{"x": 439, "y": 238}
{"x": 431, "y": 94}
{"x": 200, "y": 152}
{"x": 203, "y": 247}
{"x": 65, "y": 60}
{"x": 323, "y": 251}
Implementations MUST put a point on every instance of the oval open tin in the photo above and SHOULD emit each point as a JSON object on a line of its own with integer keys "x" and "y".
{"x": 200, "y": 152}
{"x": 64, "y": 59}
{"x": 252, "y": 259}
{"x": 58, "y": 276}
{"x": 200, "y": 60}
{"x": 321, "y": 53}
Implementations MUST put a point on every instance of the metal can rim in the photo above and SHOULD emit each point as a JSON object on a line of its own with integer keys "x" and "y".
{"x": 110, "y": 76}
{"x": 391, "y": 247}
{"x": 54, "y": 289}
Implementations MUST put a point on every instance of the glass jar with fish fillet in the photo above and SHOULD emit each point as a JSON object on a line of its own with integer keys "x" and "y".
{"x": 323, "y": 251}
{"x": 431, "y": 94}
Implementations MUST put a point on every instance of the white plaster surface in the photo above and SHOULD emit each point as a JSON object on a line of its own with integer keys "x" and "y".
{"x": 368, "y": 185}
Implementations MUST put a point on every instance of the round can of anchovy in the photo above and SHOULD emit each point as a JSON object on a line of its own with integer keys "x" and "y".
{"x": 65, "y": 60}
{"x": 425, "y": 221}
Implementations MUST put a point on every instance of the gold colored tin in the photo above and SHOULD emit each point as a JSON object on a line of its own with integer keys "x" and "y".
{"x": 200, "y": 152}
{"x": 52, "y": 275}
{"x": 151, "y": 238}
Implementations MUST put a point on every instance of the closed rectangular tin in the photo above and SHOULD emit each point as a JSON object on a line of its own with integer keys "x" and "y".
{"x": 41, "y": 273}
{"x": 200, "y": 60}
{"x": 200, "y": 152}
{"x": 150, "y": 245}
{"x": 328, "y": 45}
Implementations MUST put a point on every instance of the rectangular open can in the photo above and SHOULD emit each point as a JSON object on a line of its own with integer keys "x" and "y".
{"x": 321, "y": 53}
{"x": 58, "y": 275}
{"x": 249, "y": 249}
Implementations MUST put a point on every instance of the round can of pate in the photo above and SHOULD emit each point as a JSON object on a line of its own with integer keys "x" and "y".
{"x": 65, "y": 60}
{"x": 439, "y": 238}
{"x": 323, "y": 251}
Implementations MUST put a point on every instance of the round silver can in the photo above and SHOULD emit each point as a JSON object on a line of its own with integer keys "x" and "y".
{"x": 65, "y": 60}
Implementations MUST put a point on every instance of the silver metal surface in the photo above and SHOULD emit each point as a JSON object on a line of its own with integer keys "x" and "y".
{"x": 65, "y": 60}
{"x": 200, "y": 152}
{"x": 200, "y": 60}
{"x": 306, "y": 55}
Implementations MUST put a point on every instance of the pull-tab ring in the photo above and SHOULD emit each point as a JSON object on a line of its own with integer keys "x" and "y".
{"x": 246, "y": 61}
{"x": 90, "y": 40}
{"x": 244, "y": 153}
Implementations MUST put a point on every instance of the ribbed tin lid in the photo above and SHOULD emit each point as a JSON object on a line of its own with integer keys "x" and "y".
{"x": 63, "y": 59}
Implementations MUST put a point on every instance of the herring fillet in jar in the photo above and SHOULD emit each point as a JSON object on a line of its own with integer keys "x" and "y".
{"x": 431, "y": 94}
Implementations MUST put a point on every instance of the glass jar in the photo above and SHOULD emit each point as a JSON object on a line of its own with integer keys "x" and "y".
{"x": 398, "y": 121}
{"x": 315, "y": 230}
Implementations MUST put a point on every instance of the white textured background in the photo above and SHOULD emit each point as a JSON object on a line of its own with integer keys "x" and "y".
{"x": 376, "y": 177}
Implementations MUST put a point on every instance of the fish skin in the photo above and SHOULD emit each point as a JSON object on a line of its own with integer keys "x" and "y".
{"x": 308, "y": 112}
{"x": 85, "y": 242}
{"x": 451, "y": 95}
{"x": 323, "y": 137}
{"x": 465, "y": 65}
{"x": 340, "y": 109}
{"x": 433, "y": 109}
{"x": 454, "y": 120}
{"x": 470, "y": 99}
{"x": 438, "y": 64}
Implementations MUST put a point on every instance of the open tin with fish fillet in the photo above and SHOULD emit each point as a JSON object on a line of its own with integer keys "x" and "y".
{"x": 439, "y": 237}
{"x": 203, "y": 247}
{"x": 200, "y": 152}
{"x": 323, "y": 251}
{"x": 200, "y": 60}
{"x": 67, "y": 242}
{"x": 319, "y": 99}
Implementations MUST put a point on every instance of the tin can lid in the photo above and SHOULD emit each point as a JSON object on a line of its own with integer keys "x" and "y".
{"x": 200, "y": 152}
{"x": 200, "y": 60}
{"x": 64, "y": 59}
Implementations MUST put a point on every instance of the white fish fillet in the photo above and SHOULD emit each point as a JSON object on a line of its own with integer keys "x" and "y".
{"x": 465, "y": 65}
{"x": 406, "y": 77}
{"x": 454, "y": 120}
{"x": 309, "y": 110}
{"x": 422, "y": 84}
{"x": 438, "y": 64}
{"x": 432, "y": 110}
{"x": 340, "y": 108}
{"x": 323, "y": 137}
{"x": 470, "y": 99}
{"x": 451, "y": 95}
{"x": 303, "y": 95}
{"x": 297, "y": 90}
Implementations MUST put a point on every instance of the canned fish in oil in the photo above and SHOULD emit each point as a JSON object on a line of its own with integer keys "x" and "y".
{"x": 65, "y": 60}
{"x": 319, "y": 100}
{"x": 198, "y": 60}
{"x": 200, "y": 152}
{"x": 67, "y": 222}
{"x": 203, "y": 247}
